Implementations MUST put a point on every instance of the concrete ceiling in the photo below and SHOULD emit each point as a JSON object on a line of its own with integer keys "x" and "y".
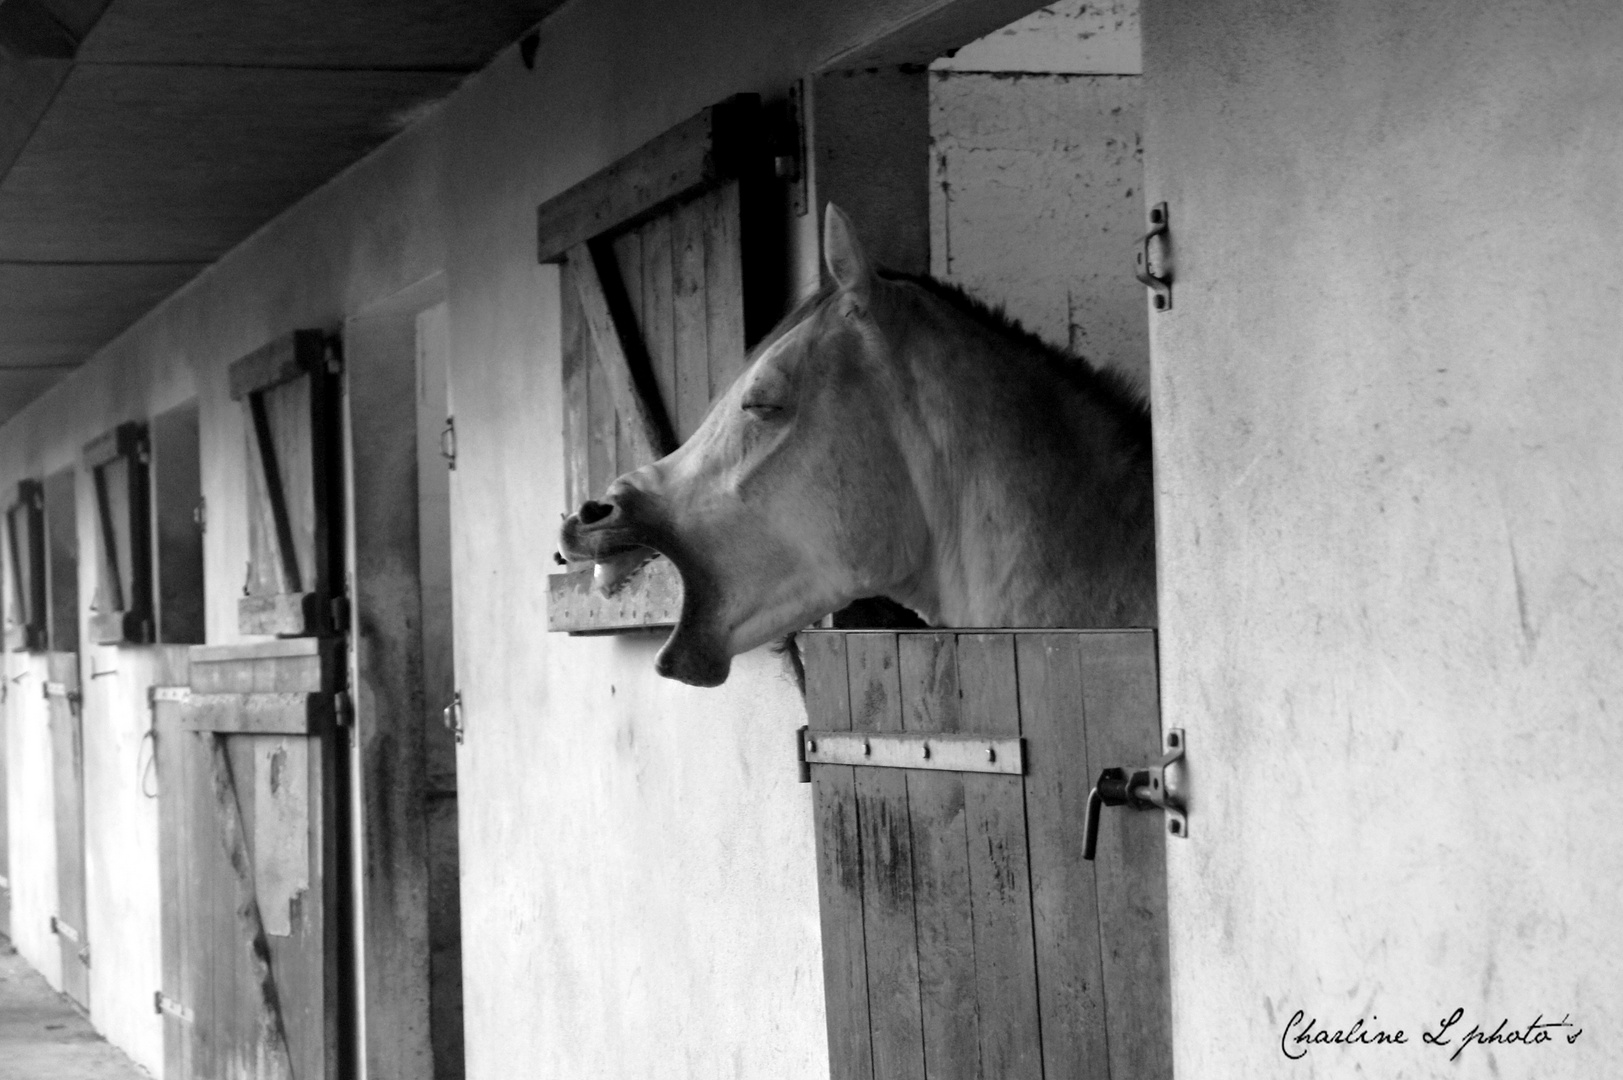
{"x": 140, "y": 140}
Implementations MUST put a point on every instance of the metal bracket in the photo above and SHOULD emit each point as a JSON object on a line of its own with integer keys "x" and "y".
{"x": 163, "y": 1003}
{"x": 915, "y": 750}
{"x": 448, "y": 443}
{"x": 1160, "y": 285}
{"x": 1156, "y": 787}
{"x": 343, "y": 709}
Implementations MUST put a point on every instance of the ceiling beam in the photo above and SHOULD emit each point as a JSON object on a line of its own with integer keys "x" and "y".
{"x": 31, "y": 31}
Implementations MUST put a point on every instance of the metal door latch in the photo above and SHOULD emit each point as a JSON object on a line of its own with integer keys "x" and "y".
{"x": 1156, "y": 787}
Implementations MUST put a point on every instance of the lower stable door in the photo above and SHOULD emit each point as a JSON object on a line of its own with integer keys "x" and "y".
{"x": 248, "y": 762}
{"x": 964, "y": 932}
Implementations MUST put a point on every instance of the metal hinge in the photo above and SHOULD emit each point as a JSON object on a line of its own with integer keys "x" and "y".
{"x": 57, "y": 689}
{"x": 448, "y": 443}
{"x": 343, "y": 709}
{"x": 163, "y": 1003}
{"x": 452, "y": 716}
{"x": 200, "y": 515}
{"x": 338, "y": 613}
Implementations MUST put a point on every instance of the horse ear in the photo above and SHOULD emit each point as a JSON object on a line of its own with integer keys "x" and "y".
{"x": 847, "y": 263}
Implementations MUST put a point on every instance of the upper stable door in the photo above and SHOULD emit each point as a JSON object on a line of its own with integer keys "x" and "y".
{"x": 665, "y": 285}
{"x": 289, "y": 389}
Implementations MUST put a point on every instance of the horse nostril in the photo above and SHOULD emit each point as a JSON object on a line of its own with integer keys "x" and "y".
{"x": 593, "y": 512}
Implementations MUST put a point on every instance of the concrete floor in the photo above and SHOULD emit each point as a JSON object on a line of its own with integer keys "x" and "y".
{"x": 42, "y": 1037}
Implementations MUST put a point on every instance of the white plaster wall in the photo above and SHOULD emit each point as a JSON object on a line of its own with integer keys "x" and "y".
{"x": 639, "y": 893}
{"x": 1391, "y": 525}
{"x": 123, "y": 911}
{"x": 1037, "y": 177}
{"x": 30, "y": 794}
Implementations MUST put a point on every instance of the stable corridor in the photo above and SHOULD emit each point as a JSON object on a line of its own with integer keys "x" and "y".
{"x": 42, "y": 1037}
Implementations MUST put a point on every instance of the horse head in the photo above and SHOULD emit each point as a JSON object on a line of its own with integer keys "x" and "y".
{"x": 789, "y": 501}
{"x": 830, "y": 471}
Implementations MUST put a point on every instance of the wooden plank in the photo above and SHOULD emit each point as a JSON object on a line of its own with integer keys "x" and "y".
{"x": 173, "y": 882}
{"x": 658, "y": 320}
{"x": 297, "y": 428}
{"x": 1000, "y": 875}
{"x": 25, "y": 544}
{"x": 259, "y": 714}
{"x": 1122, "y": 704}
{"x": 698, "y": 153}
{"x": 259, "y": 650}
{"x": 724, "y": 290}
{"x": 177, "y": 493}
{"x": 67, "y": 745}
{"x": 690, "y": 329}
{"x": 619, "y": 264}
{"x": 296, "y": 614}
{"x": 928, "y": 677}
{"x": 209, "y": 914}
{"x": 839, "y": 866}
{"x": 1065, "y": 912}
{"x": 61, "y": 560}
{"x": 651, "y": 597}
{"x": 127, "y": 440}
{"x": 638, "y": 420}
{"x": 269, "y": 1043}
{"x": 889, "y": 919}
{"x": 313, "y": 668}
{"x": 275, "y": 475}
{"x": 288, "y": 357}
{"x": 577, "y": 369}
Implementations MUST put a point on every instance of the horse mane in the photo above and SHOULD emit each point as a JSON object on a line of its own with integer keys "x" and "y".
{"x": 1118, "y": 395}
{"x": 1110, "y": 389}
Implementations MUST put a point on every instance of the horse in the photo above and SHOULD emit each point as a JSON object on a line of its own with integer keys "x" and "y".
{"x": 891, "y": 437}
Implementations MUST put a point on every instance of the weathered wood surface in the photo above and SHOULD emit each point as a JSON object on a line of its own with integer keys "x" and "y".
{"x": 705, "y": 150}
{"x": 651, "y": 597}
{"x": 641, "y": 421}
{"x": 287, "y": 358}
{"x": 839, "y": 867}
{"x": 177, "y": 495}
{"x": 121, "y": 604}
{"x": 25, "y": 563}
{"x": 675, "y": 306}
{"x": 259, "y": 713}
{"x": 291, "y": 443}
{"x": 308, "y": 665}
{"x": 68, "y": 774}
{"x": 249, "y": 862}
{"x": 61, "y": 560}
{"x": 964, "y": 936}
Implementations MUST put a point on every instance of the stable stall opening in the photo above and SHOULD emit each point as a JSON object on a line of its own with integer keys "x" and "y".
{"x": 964, "y": 933}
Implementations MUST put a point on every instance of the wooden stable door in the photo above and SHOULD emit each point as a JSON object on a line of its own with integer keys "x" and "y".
{"x": 248, "y": 766}
{"x": 68, "y": 776}
{"x": 964, "y": 935}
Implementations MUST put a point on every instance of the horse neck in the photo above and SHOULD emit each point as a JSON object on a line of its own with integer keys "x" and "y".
{"x": 1037, "y": 497}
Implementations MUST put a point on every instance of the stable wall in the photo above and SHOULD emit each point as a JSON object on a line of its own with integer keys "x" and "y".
{"x": 638, "y": 875}
{"x": 1387, "y": 404}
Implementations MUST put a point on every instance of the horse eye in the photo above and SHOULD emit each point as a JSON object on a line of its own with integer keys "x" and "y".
{"x": 762, "y": 411}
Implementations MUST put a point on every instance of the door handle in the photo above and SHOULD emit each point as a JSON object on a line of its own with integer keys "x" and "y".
{"x": 1153, "y": 787}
